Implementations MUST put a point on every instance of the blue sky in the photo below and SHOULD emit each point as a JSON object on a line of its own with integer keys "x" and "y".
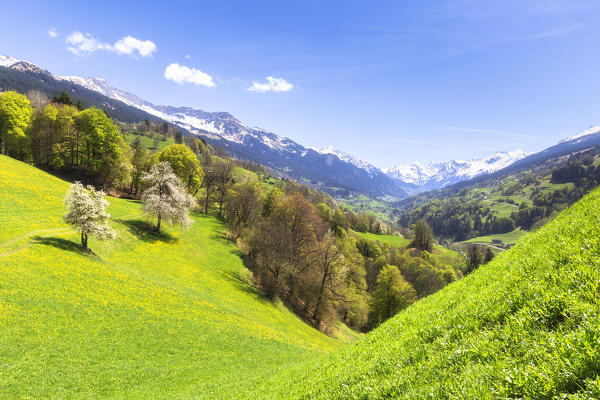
{"x": 390, "y": 82}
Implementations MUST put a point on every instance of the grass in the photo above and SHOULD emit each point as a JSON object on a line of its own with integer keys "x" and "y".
{"x": 149, "y": 141}
{"x": 144, "y": 316}
{"x": 450, "y": 257}
{"x": 526, "y": 325}
{"x": 510, "y": 237}
{"x": 393, "y": 240}
{"x": 442, "y": 254}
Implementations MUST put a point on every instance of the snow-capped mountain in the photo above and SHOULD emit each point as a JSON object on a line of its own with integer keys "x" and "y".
{"x": 335, "y": 173}
{"x": 217, "y": 125}
{"x": 428, "y": 176}
{"x": 328, "y": 169}
{"x": 590, "y": 131}
{"x": 6, "y": 61}
{"x": 322, "y": 168}
{"x": 23, "y": 66}
{"x": 357, "y": 162}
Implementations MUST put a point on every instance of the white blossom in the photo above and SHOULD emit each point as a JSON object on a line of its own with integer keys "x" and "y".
{"x": 86, "y": 209}
{"x": 164, "y": 198}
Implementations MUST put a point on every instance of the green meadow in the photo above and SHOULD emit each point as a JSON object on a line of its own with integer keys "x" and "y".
{"x": 510, "y": 237}
{"x": 144, "y": 316}
{"x": 173, "y": 316}
{"x": 524, "y": 326}
{"x": 443, "y": 255}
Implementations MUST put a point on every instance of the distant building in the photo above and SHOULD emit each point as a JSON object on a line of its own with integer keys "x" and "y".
{"x": 496, "y": 241}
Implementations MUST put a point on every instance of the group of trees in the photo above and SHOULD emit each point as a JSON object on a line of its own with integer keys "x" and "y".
{"x": 299, "y": 243}
{"x": 465, "y": 215}
{"x": 297, "y": 257}
{"x": 164, "y": 199}
{"x": 410, "y": 274}
{"x": 61, "y": 137}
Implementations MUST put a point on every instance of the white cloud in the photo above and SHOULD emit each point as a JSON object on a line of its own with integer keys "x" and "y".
{"x": 130, "y": 45}
{"x": 188, "y": 57}
{"x": 83, "y": 44}
{"x": 272, "y": 85}
{"x": 181, "y": 74}
{"x": 52, "y": 33}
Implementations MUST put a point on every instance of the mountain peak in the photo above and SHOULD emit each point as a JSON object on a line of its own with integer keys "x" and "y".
{"x": 7, "y": 61}
{"x": 357, "y": 162}
{"x": 590, "y": 131}
{"x": 435, "y": 175}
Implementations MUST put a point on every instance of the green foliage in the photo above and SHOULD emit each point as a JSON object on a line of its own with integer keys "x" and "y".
{"x": 63, "y": 98}
{"x": 392, "y": 294}
{"x": 525, "y": 325}
{"x": 185, "y": 165}
{"x": 15, "y": 115}
{"x": 423, "y": 236}
{"x": 104, "y": 148}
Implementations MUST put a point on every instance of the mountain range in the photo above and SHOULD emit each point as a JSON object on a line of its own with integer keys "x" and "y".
{"x": 435, "y": 175}
{"x": 239, "y": 139}
{"x": 328, "y": 169}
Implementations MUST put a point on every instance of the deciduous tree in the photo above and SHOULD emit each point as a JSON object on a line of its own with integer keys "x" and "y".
{"x": 15, "y": 116}
{"x": 164, "y": 197}
{"x": 184, "y": 164}
{"x": 86, "y": 209}
{"x": 392, "y": 294}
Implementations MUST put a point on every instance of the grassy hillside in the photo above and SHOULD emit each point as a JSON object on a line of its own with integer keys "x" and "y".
{"x": 150, "y": 142}
{"x": 145, "y": 316}
{"x": 505, "y": 204}
{"x": 510, "y": 237}
{"x": 394, "y": 240}
{"x": 443, "y": 255}
{"x": 526, "y": 325}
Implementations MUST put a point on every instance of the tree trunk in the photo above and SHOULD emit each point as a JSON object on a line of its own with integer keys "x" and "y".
{"x": 157, "y": 229}
{"x": 84, "y": 241}
{"x": 206, "y": 202}
{"x": 221, "y": 201}
{"x": 320, "y": 298}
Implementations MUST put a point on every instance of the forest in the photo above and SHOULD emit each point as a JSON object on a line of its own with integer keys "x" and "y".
{"x": 300, "y": 245}
{"x": 531, "y": 198}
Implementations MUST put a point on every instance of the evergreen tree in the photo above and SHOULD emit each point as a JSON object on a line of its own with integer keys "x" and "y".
{"x": 63, "y": 98}
{"x": 423, "y": 236}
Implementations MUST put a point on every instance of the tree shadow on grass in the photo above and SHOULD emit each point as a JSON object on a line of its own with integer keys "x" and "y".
{"x": 143, "y": 230}
{"x": 242, "y": 284}
{"x": 62, "y": 244}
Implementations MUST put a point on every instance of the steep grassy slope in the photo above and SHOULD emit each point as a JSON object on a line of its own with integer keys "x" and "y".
{"x": 526, "y": 325}
{"x": 146, "y": 316}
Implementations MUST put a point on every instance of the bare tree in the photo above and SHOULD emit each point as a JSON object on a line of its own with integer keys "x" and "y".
{"x": 242, "y": 207}
{"x": 224, "y": 181}
{"x": 37, "y": 99}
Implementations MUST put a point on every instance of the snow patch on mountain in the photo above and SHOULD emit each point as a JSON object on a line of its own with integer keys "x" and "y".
{"x": 590, "y": 131}
{"x": 437, "y": 175}
{"x": 357, "y": 162}
{"x": 6, "y": 61}
{"x": 217, "y": 125}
